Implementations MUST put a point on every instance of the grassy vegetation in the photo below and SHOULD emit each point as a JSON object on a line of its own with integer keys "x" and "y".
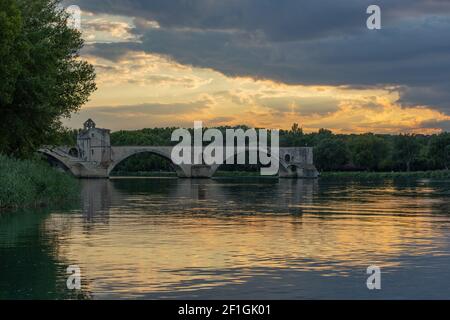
{"x": 437, "y": 174}
{"x": 28, "y": 183}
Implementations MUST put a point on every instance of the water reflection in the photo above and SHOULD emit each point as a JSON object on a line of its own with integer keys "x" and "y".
{"x": 29, "y": 264}
{"x": 253, "y": 238}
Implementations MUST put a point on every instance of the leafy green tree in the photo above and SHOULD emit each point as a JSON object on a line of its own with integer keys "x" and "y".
{"x": 43, "y": 80}
{"x": 331, "y": 154}
{"x": 447, "y": 156}
{"x": 296, "y": 129}
{"x": 325, "y": 132}
{"x": 439, "y": 150}
{"x": 293, "y": 137}
{"x": 368, "y": 151}
{"x": 406, "y": 150}
{"x": 10, "y": 27}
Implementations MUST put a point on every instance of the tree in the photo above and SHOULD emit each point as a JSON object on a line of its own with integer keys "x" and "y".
{"x": 447, "y": 156}
{"x": 331, "y": 154}
{"x": 368, "y": 151}
{"x": 296, "y": 129}
{"x": 406, "y": 150}
{"x": 439, "y": 150}
{"x": 10, "y": 26}
{"x": 325, "y": 132}
{"x": 44, "y": 78}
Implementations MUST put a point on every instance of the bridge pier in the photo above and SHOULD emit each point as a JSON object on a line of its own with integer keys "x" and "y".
{"x": 299, "y": 172}
{"x": 200, "y": 171}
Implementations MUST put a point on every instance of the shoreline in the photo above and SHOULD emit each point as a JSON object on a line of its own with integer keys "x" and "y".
{"x": 435, "y": 174}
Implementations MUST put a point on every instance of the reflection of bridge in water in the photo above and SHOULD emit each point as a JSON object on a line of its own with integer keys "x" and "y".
{"x": 199, "y": 196}
{"x": 94, "y": 157}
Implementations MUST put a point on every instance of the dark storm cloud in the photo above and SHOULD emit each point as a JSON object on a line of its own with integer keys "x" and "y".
{"x": 113, "y": 52}
{"x": 434, "y": 94}
{"x": 301, "y": 42}
{"x": 402, "y": 55}
{"x": 443, "y": 125}
{"x": 278, "y": 19}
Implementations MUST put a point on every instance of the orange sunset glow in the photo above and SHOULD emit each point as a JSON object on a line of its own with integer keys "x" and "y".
{"x": 139, "y": 87}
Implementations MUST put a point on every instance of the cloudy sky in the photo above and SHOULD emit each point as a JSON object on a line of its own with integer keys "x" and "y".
{"x": 268, "y": 63}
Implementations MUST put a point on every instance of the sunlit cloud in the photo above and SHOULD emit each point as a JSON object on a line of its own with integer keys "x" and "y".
{"x": 161, "y": 65}
{"x": 104, "y": 28}
{"x": 147, "y": 90}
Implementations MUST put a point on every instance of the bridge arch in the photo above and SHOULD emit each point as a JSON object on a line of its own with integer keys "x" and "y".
{"x": 61, "y": 162}
{"x": 120, "y": 154}
{"x": 283, "y": 166}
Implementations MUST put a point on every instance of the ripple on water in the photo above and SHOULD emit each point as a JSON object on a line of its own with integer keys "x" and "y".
{"x": 230, "y": 239}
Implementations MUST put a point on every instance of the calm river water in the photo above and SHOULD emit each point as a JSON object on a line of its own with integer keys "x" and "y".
{"x": 233, "y": 239}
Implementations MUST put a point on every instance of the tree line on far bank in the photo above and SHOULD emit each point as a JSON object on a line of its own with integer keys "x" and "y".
{"x": 377, "y": 152}
{"x": 332, "y": 152}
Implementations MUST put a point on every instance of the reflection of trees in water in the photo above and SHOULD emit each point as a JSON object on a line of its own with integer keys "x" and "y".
{"x": 239, "y": 195}
{"x": 229, "y": 195}
{"x": 142, "y": 185}
{"x": 234, "y": 195}
{"x": 30, "y": 266}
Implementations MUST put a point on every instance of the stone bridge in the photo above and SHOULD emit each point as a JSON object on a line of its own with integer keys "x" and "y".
{"x": 94, "y": 157}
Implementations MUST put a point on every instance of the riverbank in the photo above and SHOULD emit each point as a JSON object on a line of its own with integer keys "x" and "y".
{"x": 437, "y": 174}
{"x": 33, "y": 183}
{"x": 151, "y": 174}
{"x": 161, "y": 174}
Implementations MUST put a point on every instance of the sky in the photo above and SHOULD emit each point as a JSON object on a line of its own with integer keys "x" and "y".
{"x": 268, "y": 63}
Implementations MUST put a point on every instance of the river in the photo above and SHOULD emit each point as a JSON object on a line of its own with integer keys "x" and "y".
{"x": 230, "y": 238}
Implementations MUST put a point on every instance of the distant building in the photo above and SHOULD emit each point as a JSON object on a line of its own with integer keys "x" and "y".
{"x": 94, "y": 144}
